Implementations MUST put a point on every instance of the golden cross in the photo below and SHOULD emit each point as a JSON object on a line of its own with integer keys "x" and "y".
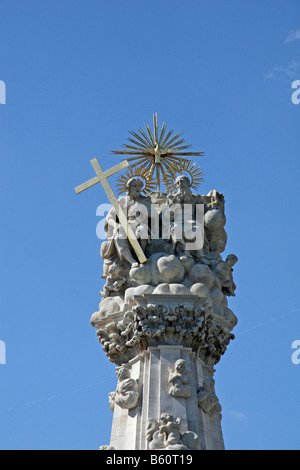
{"x": 102, "y": 178}
{"x": 212, "y": 203}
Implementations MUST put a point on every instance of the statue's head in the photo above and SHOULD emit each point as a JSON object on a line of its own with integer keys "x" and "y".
{"x": 166, "y": 418}
{"x": 231, "y": 259}
{"x": 134, "y": 187}
{"x": 115, "y": 269}
{"x": 209, "y": 384}
{"x": 182, "y": 182}
{"x": 180, "y": 365}
{"x": 123, "y": 373}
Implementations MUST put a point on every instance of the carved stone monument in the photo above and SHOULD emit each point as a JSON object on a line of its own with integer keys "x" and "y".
{"x": 163, "y": 318}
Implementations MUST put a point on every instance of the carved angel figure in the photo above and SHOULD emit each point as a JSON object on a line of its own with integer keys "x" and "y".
{"x": 165, "y": 434}
{"x": 207, "y": 399}
{"x": 115, "y": 280}
{"x": 224, "y": 272}
{"x": 178, "y": 378}
{"x": 126, "y": 395}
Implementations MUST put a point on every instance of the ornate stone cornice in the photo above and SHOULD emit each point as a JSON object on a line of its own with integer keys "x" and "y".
{"x": 162, "y": 319}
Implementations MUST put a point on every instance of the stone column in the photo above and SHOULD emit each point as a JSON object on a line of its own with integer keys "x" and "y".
{"x": 151, "y": 370}
{"x": 165, "y": 397}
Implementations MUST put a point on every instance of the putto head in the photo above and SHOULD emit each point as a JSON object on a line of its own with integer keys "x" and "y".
{"x": 123, "y": 373}
{"x": 180, "y": 365}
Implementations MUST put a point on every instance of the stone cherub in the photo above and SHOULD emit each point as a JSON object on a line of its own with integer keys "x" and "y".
{"x": 207, "y": 399}
{"x": 126, "y": 395}
{"x": 115, "y": 280}
{"x": 224, "y": 272}
{"x": 164, "y": 433}
{"x": 178, "y": 378}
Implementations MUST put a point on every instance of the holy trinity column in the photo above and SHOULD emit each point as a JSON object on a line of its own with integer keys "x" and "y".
{"x": 163, "y": 318}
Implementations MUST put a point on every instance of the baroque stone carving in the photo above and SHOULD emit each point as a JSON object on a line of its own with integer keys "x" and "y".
{"x": 175, "y": 202}
{"x": 115, "y": 280}
{"x": 165, "y": 433}
{"x": 179, "y": 380}
{"x": 166, "y": 284}
{"x": 187, "y": 320}
{"x": 207, "y": 399}
{"x": 126, "y": 395}
{"x": 224, "y": 271}
{"x": 179, "y": 296}
{"x": 138, "y": 208}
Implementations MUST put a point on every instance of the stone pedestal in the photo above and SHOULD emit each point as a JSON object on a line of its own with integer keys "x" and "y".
{"x": 165, "y": 346}
{"x": 130, "y": 428}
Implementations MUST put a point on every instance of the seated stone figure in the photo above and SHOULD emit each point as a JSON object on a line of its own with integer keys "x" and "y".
{"x": 138, "y": 210}
{"x": 182, "y": 230}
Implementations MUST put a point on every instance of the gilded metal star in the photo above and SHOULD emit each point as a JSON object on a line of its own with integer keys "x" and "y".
{"x": 160, "y": 153}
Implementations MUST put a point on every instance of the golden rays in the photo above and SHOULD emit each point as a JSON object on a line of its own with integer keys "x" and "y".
{"x": 148, "y": 183}
{"x": 156, "y": 156}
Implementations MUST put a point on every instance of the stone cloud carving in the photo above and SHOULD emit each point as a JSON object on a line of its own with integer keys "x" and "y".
{"x": 171, "y": 268}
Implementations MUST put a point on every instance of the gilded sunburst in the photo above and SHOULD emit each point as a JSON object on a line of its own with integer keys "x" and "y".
{"x": 159, "y": 153}
{"x": 139, "y": 173}
{"x": 189, "y": 169}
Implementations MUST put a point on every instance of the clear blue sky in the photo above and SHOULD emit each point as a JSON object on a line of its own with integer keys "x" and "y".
{"x": 79, "y": 75}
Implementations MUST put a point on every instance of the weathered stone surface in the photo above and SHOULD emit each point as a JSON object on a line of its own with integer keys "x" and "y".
{"x": 160, "y": 420}
{"x": 132, "y": 292}
{"x": 126, "y": 395}
{"x": 199, "y": 289}
{"x": 166, "y": 323}
{"x": 164, "y": 433}
{"x": 167, "y": 318}
{"x": 179, "y": 380}
{"x": 201, "y": 273}
{"x": 207, "y": 399}
{"x": 107, "y": 307}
